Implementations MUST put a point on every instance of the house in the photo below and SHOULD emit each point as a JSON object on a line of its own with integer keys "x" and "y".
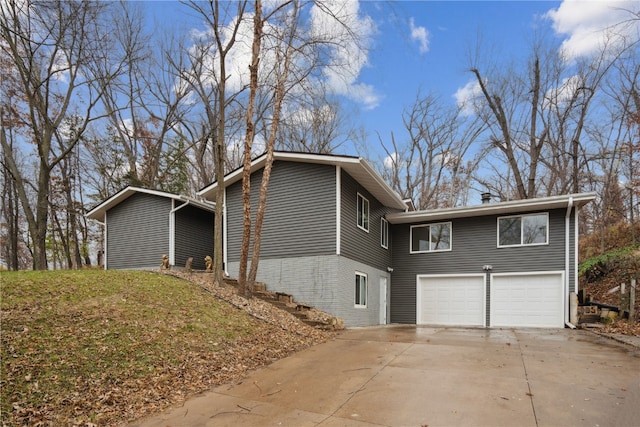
{"x": 511, "y": 264}
{"x": 337, "y": 237}
{"x": 321, "y": 233}
{"x": 141, "y": 225}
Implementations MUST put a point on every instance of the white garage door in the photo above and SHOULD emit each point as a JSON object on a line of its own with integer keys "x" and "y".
{"x": 527, "y": 300}
{"x": 451, "y": 300}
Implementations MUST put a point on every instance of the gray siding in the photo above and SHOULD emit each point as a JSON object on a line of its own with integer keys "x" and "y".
{"x": 193, "y": 236}
{"x": 474, "y": 244}
{"x": 311, "y": 280}
{"x": 326, "y": 282}
{"x": 300, "y": 218}
{"x": 356, "y": 243}
{"x": 138, "y": 232}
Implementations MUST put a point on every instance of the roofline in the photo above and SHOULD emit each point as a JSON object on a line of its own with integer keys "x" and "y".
{"x": 329, "y": 159}
{"x": 515, "y": 206}
{"x": 98, "y": 211}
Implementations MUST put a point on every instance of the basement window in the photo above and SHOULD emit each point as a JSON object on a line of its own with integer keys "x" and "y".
{"x": 361, "y": 290}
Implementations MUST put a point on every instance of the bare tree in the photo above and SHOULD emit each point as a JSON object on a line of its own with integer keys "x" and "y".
{"x": 285, "y": 55}
{"x": 208, "y": 78}
{"x": 434, "y": 165}
{"x": 49, "y": 45}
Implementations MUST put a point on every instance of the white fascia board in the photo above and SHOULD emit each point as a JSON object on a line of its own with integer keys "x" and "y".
{"x": 99, "y": 211}
{"x": 375, "y": 184}
{"x": 394, "y": 200}
{"x": 504, "y": 208}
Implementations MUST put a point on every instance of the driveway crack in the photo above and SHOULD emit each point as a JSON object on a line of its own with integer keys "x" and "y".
{"x": 364, "y": 386}
{"x": 526, "y": 376}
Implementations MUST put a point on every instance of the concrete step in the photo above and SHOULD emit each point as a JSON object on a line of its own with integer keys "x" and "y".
{"x": 283, "y": 301}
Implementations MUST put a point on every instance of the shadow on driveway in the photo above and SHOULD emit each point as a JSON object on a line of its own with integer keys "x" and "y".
{"x": 421, "y": 376}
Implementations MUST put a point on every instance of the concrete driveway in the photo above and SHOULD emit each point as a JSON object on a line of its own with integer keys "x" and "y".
{"x": 419, "y": 376}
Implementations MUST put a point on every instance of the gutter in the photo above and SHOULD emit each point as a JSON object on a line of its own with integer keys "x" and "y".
{"x": 172, "y": 230}
{"x": 567, "y": 223}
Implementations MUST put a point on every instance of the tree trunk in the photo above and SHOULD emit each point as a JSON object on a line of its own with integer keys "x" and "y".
{"x": 245, "y": 286}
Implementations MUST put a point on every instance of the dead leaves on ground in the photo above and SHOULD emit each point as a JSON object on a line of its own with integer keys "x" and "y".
{"x": 41, "y": 358}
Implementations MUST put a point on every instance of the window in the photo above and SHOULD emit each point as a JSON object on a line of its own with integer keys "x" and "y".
{"x": 384, "y": 233}
{"x": 361, "y": 290}
{"x": 430, "y": 238}
{"x": 523, "y": 230}
{"x": 363, "y": 213}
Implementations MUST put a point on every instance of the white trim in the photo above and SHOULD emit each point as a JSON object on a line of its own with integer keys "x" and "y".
{"x": 105, "y": 241}
{"x": 357, "y": 167}
{"x": 567, "y": 243}
{"x": 481, "y": 276}
{"x": 172, "y": 230}
{"x": 366, "y": 296}
{"x": 225, "y": 260}
{"x": 338, "y": 208}
{"x": 384, "y": 300}
{"x": 99, "y": 211}
{"x": 575, "y": 251}
{"x": 546, "y": 243}
{"x": 411, "y": 251}
{"x": 502, "y": 208}
{"x": 359, "y": 195}
{"x": 384, "y": 225}
{"x": 533, "y": 273}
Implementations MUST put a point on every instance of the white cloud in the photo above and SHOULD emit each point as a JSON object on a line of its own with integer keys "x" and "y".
{"x": 466, "y": 97}
{"x": 340, "y": 22}
{"x": 590, "y": 25}
{"x": 421, "y": 35}
{"x": 564, "y": 92}
{"x": 391, "y": 161}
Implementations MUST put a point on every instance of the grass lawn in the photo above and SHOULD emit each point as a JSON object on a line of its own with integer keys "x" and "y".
{"x": 105, "y": 347}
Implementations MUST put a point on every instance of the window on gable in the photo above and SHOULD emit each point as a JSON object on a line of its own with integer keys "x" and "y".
{"x": 523, "y": 230}
{"x": 384, "y": 233}
{"x": 363, "y": 213}
{"x": 361, "y": 290}
{"x": 431, "y": 238}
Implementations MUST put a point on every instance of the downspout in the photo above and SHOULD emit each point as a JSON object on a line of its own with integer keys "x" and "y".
{"x": 172, "y": 230}
{"x": 567, "y": 223}
{"x": 104, "y": 231}
{"x": 338, "y": 208}
{"x": 225, "y": 260}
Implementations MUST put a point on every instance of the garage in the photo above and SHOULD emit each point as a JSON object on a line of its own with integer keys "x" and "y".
{"x": 447, "y": 300}
{"x": 527, "y": 300}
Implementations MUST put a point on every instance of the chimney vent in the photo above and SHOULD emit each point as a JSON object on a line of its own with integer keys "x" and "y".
{"x": 486, "y": 198}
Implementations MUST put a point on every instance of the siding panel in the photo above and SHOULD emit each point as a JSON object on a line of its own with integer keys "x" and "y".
{"x": 474, "y": 244}
{"x": 356, "y": 243}
{"x": 193, "y": 236}
{"x": 138, "y": 232}
{"x": 300, "y": 219}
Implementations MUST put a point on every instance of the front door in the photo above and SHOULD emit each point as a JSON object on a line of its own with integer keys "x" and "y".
{"x": 383, "y": 300}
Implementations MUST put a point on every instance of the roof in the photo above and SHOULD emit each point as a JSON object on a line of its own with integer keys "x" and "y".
{"x": 357, "y": 167}
{"x": 99, "y": 211}
{"x": 502, "y": 208}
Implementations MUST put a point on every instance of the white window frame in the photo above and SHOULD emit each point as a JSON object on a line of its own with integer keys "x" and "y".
{"x": 428, "y": 251}
{"x": 521, "y": 244}
{"x": 356, "y": 303}
{"x": 364, "y": 199}
{"x": 384, "y": 233}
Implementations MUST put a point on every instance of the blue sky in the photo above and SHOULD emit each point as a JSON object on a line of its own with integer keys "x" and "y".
{"x": 398, "y": 69}
{"x": 424, "y": 46}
